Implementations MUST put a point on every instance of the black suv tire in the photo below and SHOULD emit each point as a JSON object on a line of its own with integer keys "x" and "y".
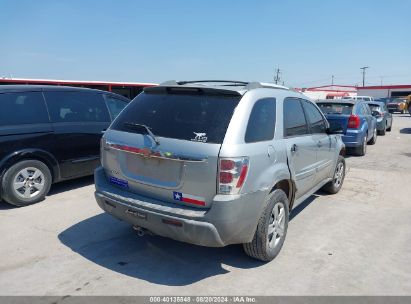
{"x": 11, "y": 196}
{"x": 259, "y": 247}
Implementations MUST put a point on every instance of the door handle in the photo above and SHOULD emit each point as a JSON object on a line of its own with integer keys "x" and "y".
{"x": 103, "y": 131}
{"x": 294, "y": 148}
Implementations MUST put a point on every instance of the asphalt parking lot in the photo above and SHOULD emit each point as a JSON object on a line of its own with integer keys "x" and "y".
{"x": 354, "y": 243}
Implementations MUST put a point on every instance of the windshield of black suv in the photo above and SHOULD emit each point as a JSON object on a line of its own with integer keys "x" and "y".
{"x": 194, "y": 117}
{"x": 336, "y": 108}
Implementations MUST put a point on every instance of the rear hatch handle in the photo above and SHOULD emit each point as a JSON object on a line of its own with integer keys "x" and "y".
{"x": 149, "y": 132}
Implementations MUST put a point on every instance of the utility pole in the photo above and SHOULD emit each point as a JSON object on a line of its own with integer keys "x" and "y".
{"x": 363, "y": 74}
{"x": 277, "y": 76}
{"x": 332, "y": 80}
{"x": 382, "y": 78}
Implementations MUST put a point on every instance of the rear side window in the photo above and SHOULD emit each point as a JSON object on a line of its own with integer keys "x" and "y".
{"x": 262, "y": 121}
{"x": 363, "y": 109}
{"x": 76, "y": 107}
{"x": 314, "y": 117}
{"x": 294, "y": 118}
{"x": 367, "y": 109}
{"x": 114, "y": 105}
{"x": 375, "y": 107}
{"x": 336, "y": 108}
{"x": 22, "y": 108}
{"x": 201, "y": 118}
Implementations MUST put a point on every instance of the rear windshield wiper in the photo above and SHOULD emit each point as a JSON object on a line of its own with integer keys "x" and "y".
{"x": 136, "y": 125}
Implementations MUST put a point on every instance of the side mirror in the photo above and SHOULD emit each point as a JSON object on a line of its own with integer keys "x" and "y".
{"x": 375, "y": 113}
{"x": 335, "y": 128}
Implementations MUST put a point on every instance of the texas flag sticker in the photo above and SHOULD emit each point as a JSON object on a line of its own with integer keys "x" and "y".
{"x": 190, "y": 199}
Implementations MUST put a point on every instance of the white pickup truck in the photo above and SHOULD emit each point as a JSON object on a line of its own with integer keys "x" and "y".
{"x": 364, "y": 98}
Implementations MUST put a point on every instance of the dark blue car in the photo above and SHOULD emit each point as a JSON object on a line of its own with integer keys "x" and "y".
{"x": 356, "y": 120}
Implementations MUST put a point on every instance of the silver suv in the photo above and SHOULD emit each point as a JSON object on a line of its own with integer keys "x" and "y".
{"x": 215, "y": 163}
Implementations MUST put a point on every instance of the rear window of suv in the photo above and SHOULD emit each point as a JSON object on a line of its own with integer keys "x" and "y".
{"x": 201, "y": 117}
{"x": 336, "y": 108}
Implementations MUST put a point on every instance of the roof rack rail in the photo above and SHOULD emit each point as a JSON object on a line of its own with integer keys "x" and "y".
{"x": 247, "y": 85}
{"x": 174, "y": 82}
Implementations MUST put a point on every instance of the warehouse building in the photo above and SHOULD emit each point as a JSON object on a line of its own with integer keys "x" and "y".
{"x": 385, "y": 91}
{"x": 329, "y": 92}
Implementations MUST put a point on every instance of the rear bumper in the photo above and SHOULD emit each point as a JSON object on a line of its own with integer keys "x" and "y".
{"x": 230, "y": 220}
{"x": 353, "y": 138}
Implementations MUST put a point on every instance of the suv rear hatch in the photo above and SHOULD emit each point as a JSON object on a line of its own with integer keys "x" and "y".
{"x": 165, "y": 144}
{"x": 337, "y": 113}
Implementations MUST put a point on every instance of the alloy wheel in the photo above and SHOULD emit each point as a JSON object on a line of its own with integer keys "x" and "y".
{"x": 339, "y": 175}
{"x": 276, "y": 225}
{"x": 28, "y": 182}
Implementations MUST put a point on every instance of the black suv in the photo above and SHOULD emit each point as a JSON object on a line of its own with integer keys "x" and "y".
{"x": 49, "y": 134}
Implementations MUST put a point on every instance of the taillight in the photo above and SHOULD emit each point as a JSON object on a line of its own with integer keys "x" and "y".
{"x": 354, "y": 122}
{"x": 232, "y": 173}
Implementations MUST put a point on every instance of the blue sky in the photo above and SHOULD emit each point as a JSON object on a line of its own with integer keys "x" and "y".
{"x": 154, "y": 41}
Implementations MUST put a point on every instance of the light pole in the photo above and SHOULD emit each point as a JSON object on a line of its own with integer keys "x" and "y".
{"x": 363, "y": 74}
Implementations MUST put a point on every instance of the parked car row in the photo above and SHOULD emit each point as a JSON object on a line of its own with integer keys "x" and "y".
{"x": 50, "y": 134}
{"x": 211, "y": 163}
{"x": 361, "y": 121}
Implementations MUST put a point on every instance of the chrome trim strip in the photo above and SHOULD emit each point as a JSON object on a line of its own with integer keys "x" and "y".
{"x": 160, "y": 154}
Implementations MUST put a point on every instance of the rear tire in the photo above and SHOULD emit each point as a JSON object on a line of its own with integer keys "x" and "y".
{"x": 360, "y": 151}
{"x": 389, "y": 129}
{"x": 382, "y": 132}
{"x": 338, "y": 178}
{"x": 373, "y": 140}
{"x": 271, "y": 229}
{"x": 26, "y": 182}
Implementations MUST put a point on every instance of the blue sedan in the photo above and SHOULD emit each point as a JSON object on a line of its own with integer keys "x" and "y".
{"x": 356, "y": 120}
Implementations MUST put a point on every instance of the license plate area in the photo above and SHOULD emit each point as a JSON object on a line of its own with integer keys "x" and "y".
{"x": 154, "y": 171}
{"x": 137, "y": 214}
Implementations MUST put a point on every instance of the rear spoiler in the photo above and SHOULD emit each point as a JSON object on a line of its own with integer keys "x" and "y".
{"x": 176, "y": 89}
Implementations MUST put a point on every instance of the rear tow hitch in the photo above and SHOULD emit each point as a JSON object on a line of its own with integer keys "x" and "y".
{"x": 142, "y": 231}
